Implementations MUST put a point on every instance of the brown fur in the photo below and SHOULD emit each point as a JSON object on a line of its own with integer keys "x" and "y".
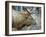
{"x": 20, "y": 19}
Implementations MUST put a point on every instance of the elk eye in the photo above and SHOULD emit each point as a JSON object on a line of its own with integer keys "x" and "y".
{"x": 26, "y": 17}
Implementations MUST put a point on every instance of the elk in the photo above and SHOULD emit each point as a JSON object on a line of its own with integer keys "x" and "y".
{"x": 21, "y": 19}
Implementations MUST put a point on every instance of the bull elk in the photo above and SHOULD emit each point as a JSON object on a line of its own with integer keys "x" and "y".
{"x": 21, "y": 19}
